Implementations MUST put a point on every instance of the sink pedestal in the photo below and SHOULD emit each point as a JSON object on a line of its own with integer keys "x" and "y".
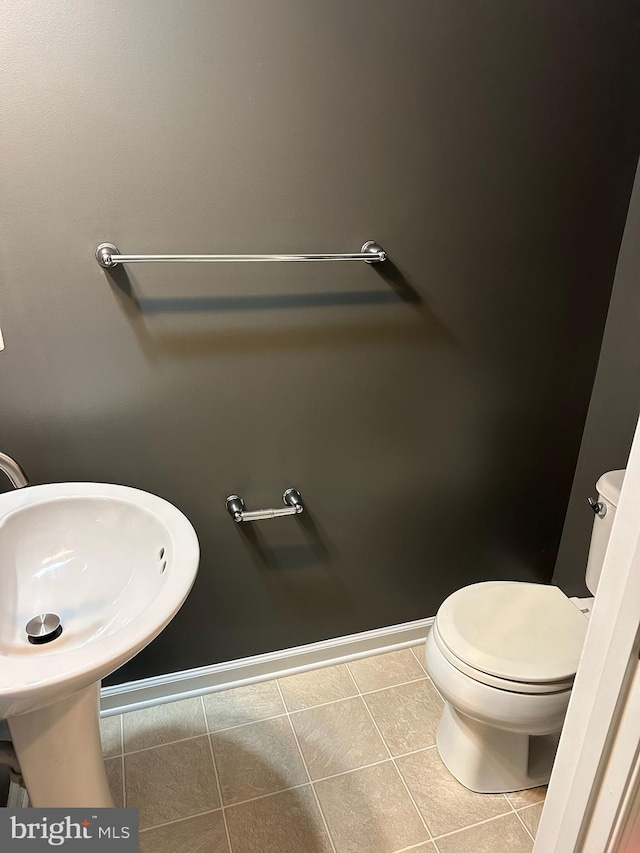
{"x": 60, "y": 752}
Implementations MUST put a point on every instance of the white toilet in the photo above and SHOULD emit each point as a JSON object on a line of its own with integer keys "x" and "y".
{"x": 504, "y": 654}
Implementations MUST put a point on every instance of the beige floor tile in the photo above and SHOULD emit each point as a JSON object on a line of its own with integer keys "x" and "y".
{"x": 171, "y": 782}
{"x": 386, "y": 670}
{"x": 531, "y": 817}
{"x": 338, "y": 737}
{"x": 113, "y": 767}
{"x": 320, "y": 685}
{"x": 407, "y": 716}
{"x": 288, "y": 822}
{"x": 242, "y": 705}
{"x": 504, "y": 834}
{"x": 203, "y": 834}
{"x": 528, "y": 797}
{"x": 446, "y": 805}
{"x": 257, "y": 759}
{"x": 369, "y": 811}
{"x": 163, "y": 724}
{"x": 111, "y": 734}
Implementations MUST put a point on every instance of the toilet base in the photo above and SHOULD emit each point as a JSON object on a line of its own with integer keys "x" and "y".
{"x": 488, "y": 760}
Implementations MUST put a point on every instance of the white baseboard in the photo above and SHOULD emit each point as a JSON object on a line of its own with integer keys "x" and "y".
{"x": 134, "y": 695}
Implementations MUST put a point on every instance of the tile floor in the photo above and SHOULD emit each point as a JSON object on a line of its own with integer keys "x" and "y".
{"x": 339, "y": 760}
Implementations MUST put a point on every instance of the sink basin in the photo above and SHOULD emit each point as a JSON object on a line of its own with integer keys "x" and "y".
{"x": 114, "y": 564}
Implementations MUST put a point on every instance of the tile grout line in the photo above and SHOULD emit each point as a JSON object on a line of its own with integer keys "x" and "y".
{"x": 177, "y": 820}
{"x": 122, "y": 764}
{"x": 471, "y": 826}
{"x": 524, "y": 826}
{"x": 393, "y": 686}
{"x": 413, "y": 652}
{"x": 304, "y": 762}
{"x": 530, "y": 806}
{"x": 270, "y": 794}
{"x": 424, "y": 666}
{"x": 248, "y": 723}
{"x": 417, "y": 847}
{"x": 355, "y": 683}
{"x": 215, "y": 770}
{"x": 124, "y": 782}
{"x": 517, "y": 813}
{"x": 513, "y": 811}
{"x": 353, "y": 696}
{"x": 397, "y": 769}
{"x": 168, "y": 743}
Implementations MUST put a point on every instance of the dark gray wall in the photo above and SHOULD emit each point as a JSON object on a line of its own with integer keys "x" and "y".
{"x": 422, "y": 409}
{"x": 614, "y": 407}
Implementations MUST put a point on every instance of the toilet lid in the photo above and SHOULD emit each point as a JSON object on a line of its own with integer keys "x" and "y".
{"x": 517, "y": 631}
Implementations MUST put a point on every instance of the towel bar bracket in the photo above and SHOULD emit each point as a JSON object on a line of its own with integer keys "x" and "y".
{"x": 104, "y": 253}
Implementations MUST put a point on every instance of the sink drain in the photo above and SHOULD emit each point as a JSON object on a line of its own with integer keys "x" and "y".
{"x": 43, "y": 628}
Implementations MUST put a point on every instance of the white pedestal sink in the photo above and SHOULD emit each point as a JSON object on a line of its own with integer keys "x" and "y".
{"x": 115, "y": 565}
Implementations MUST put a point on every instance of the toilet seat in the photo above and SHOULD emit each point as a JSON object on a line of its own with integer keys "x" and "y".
{"x": 521, "y": 637}
{"x": 507, "y": 710}
{"x": 493, "y": 680}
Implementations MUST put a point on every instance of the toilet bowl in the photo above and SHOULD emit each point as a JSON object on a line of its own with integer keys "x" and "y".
{"x": 503, "y": 655}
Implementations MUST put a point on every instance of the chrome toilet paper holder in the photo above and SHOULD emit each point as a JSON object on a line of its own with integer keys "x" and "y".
{"x": 291, "y": 498}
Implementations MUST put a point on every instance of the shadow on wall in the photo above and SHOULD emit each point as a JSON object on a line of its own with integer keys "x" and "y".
{"x": 294, "y": 563}
{"x": 315, "y": 550}
{"x": 193, "y": 344}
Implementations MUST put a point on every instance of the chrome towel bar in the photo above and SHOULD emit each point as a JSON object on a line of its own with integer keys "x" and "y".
{"x": 108, "y": 257}
{"x": 292, "y": 498}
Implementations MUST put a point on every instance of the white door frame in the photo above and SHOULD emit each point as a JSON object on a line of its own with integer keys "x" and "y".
{"x": 598, "y": 748}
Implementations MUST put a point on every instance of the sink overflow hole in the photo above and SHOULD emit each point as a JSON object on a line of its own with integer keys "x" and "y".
{"x": 163, "y": 566}
{"x": 161, "y": 554}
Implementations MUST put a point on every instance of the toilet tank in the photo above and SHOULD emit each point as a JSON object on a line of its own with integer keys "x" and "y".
{"x": 608, "y": 486}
